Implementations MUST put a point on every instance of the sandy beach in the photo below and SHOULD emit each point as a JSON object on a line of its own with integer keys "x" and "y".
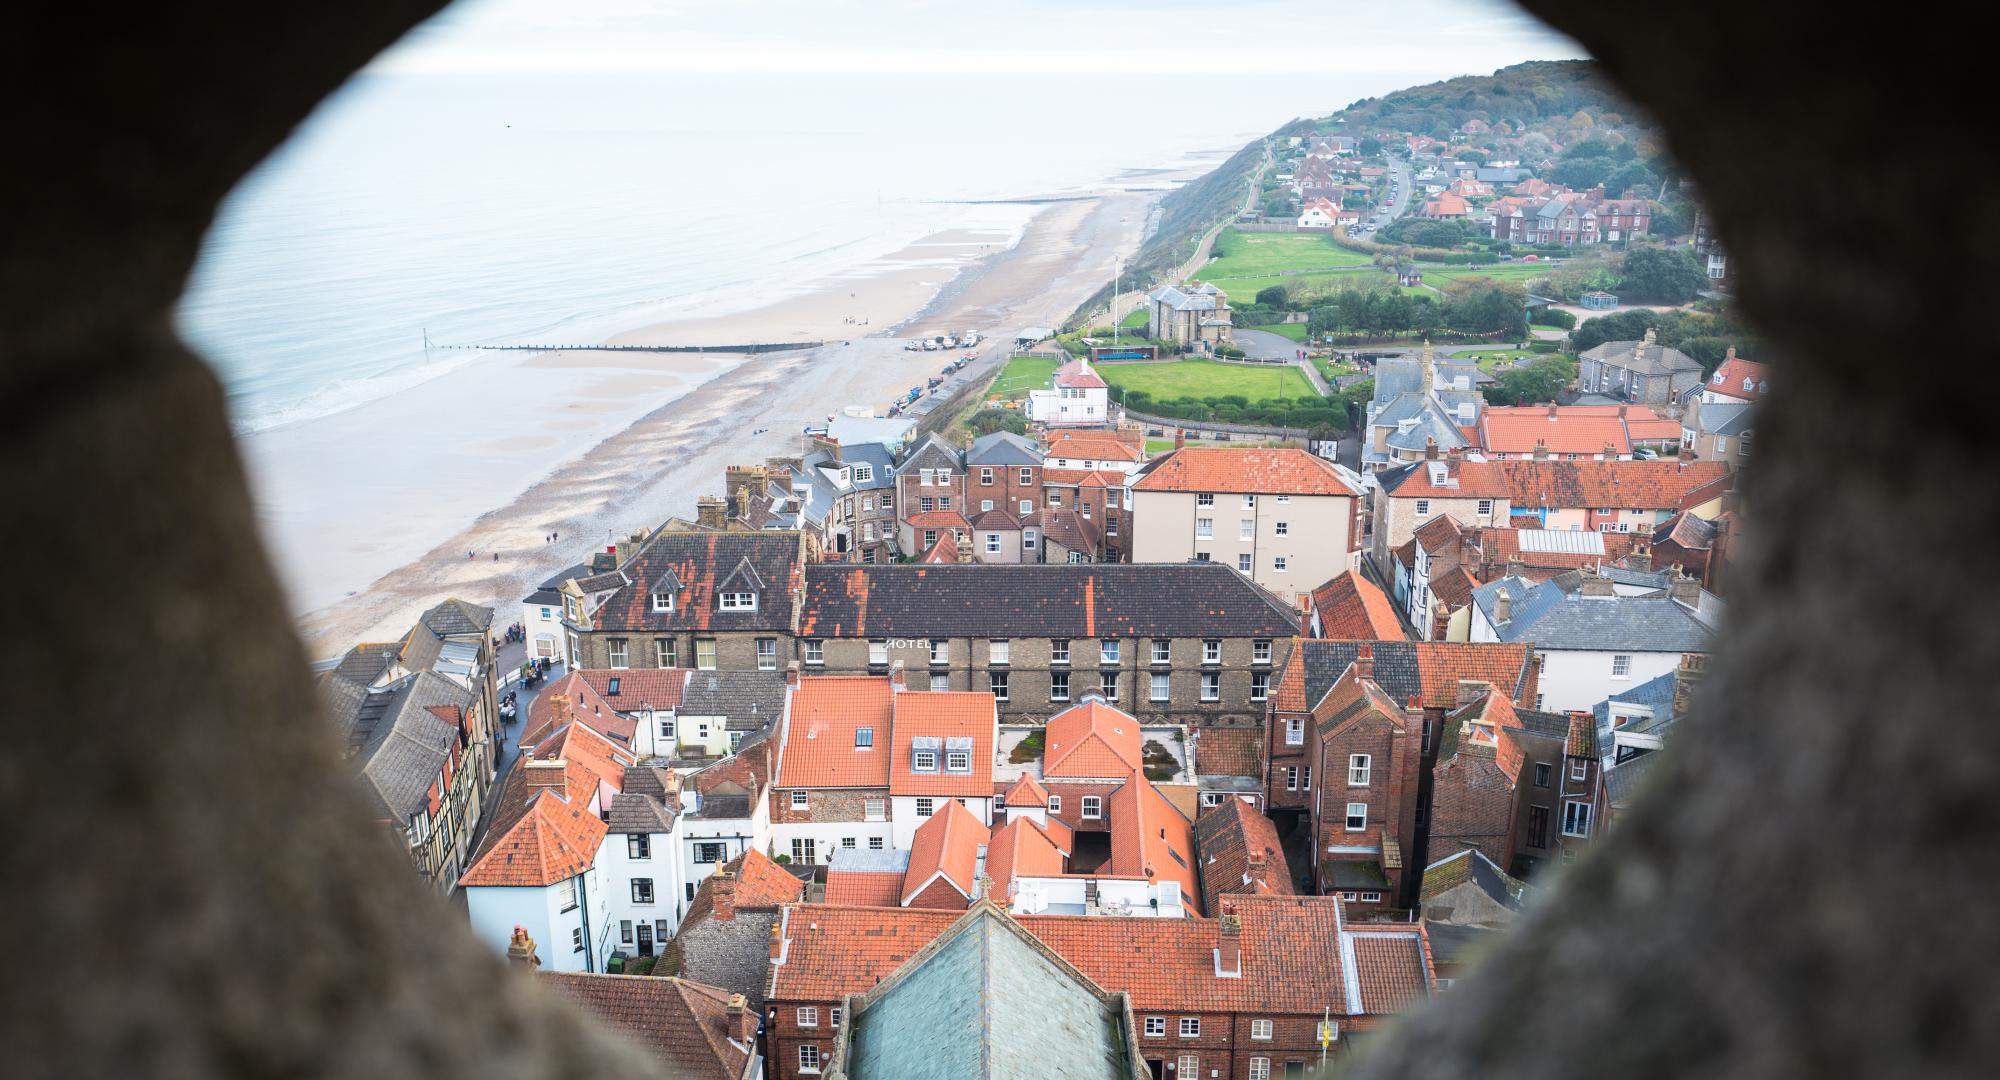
{"x": 674, "y": 421}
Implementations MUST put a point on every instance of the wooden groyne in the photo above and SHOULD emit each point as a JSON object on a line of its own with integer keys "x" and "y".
{"x": 761, "y": 347}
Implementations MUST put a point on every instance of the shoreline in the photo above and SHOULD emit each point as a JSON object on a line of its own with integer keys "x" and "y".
{"x": 719, "y": 410}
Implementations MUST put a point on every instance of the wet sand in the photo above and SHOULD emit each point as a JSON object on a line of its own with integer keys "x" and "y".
{"x": 714, "y": 410}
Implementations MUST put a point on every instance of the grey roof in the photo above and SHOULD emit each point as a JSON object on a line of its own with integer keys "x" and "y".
{"x": 407, "y": 745}
{"x": 863, "y": 861}
{"x": 1485, "y": 876}
{"x": 644, "y": 805}
{"x": 1656, "y": 694}
{"x": 746, "y": 698}
{"x": 365, "y": 663}
{"x": 874, "y": 454}
{"x": 1199, "y": 297}
{"x": 1501, "y": 176}
{"x": 454, "y": 617}
{"x": 1432, "y": 426}
{"x": 1395, "y": 376}
{"x": 549, "y": 592}
{"x": 1644, "y": 357}
{"x": 1551, "y": 725}
{"x": 987, "y": 1000}
{"x": 1624, "y": 779}
{"x": 1549, "y": 617}
{"x": 1645, "y": 579}
{"x": 893, "y": 431}
{"x": 1351, "y": 874}
{"x": 1718, "y": 418}
{"x": 1395, "y": 662}
{"x": 1458, "y": 944}
{"x": 931, "y": 452}
{"x": 1003, "y": 448}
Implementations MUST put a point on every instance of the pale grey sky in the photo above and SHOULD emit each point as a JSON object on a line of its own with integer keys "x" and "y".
{"x": 1447, "y": 37}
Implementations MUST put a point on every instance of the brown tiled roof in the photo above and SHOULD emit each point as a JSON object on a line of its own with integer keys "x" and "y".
{"x": 1081, "y": 478}
{"x": 1066, "y": 527}
{"x": 1220, "y": 469}
{"x": 572, "y": 698}
{"x": 1454, "y": 588}
{"x": 1229, "y": 751}
{"x": 938, "y": 519}
{"x": 638, "y": 688}
{"x": 1092, "y": 446}
{"x": 1291, "y": 949}
{"x": 864, "y": 888}
{"x": 1390, "y": 969}
{"x": 943, "y": 715}
{"x": 946, "y": 846}
{"x": 944, "y": 551}
{"x": 1289, "y": 695}
{"x": 1225, "y": 838}
{"x": 1352, "y": 608}
{"x": 1728, "y": 379}
{"x": 761, "y": 884}
{"x": 819, "y": 748}
{"x": 1077, "y": 374}
{"x": 1091, "y": 740}
{"x": 1637, "y": 485}
{"x": 685, "y": 1024}
{"x": 1499, "y": 546}
{"x": 1075, "y": 600}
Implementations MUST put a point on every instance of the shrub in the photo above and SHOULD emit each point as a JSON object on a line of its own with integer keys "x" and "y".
{"x": 1230, "y": 351}
{"x": 1552, "y": 317}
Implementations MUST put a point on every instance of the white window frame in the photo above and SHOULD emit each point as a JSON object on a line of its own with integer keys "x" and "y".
{"x": 1621, "y": 665}
{"x": 1108, "y": 650}
{"x": 1284, "y": 528}
{"x": 1091, "y": 808}
{"x": 1260, "y": 1068}
{"x": 801, "y": 800}
{"x": 738, "y": 601}
{"x": 1160, "y": 687}
{"x": 1360, "y": 767}
{"x": 1190, "y": 1027}
{"x": 1279, "y": 564}
{"x": 1260, "y": 1029}
{"x": 809, "y": 1059}
{"x": 1260, "y": 651}
{"x": 1205, "y": 499}
{"x": 767, "y": 654}
{"x": 1029, "y": 539}
{"x": 815, "y": 652}
{"x": 1163, "y": 650}
{"x": 1243, "y": 564}
{"x": 1055, "y": 804}
{"x": 663, "y": 601}
{"x": 1211, "y": 686}
{"x": 1156, "y": 1027}
{"x": 1058, "y": 650}
{"x": 1058, "y": 686}
{"x": 618, "y": 652}
{"x": 1211, "y": 651}
{"x": 808, "y": 1016}
{"x": 874, "y": 808}
{"x": 1423, "y": 507}
{"x": 1246, "y": 529}
{"x": 1579, "y": 770}
{"x": 1576, "y": 819}
{"x": 1204, "y": 528}
{"x": 1371, "y": 898}
{"x": 1353, "y": 816}
{"x": 1295, "y": 731}
{"x": 878, "y": 651}
{"x": 997, "y": 651}
{"x": 925, "y": 806}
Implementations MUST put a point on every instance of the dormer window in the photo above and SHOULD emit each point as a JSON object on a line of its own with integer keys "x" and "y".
{"x": 738, "y": 601}
{"x": 864, "y": 473}
{"x": 924, "y": 754}
{"x": 663, "y": 601}
{"x": 958, "y": 755}
{"x": 1749, "y": 385}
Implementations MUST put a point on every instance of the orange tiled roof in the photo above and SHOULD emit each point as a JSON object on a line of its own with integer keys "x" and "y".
{"x": 943, "y": 715}
{"x": 760, "y": 883}
{"x": 1290, "y": 693}
{"x": 1728, "y": 378}
{"x": 1081, "y": 478}
{"x": 1352, "y": 608}
{"x": 1636, "y": 485}
{"x": 1291, "y": 949}
{"x": 825, "y": 712}
{"x": 1443, "y": 664}
{"x": 946, "y": 846}
{"x": 1150, "y": 839}
{"x": 1026, "y": 791}
{"x": 867, "y": 888}
{"x": 1021, "y": 848}
{"x": 638, "y": 688}
{"x": 539, "y": 836}
{"x": 1575, "y": 430}
{"x": 572, "y": 697}
{"x": 1077, "y": 374}
{"x": 1221, "y": 469}
{"x": 938, "y": 519}
{"x": 1092, "y": 446}
{"x": 944, "y": 551}
{"x": 1090, "y": 740}
{"x": 1390, "y": 969}
{"x": 1229, "y": 834}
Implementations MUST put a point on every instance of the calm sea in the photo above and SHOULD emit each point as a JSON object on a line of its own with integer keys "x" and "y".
{"x": 542, "y": 208}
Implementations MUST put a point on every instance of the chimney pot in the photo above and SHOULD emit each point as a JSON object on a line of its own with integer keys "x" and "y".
{"x": 521, "y": 950}
{"x": 1364, "y": 662}
{"x": 1180, "y": 438}
{"x": 1503, "y": 604}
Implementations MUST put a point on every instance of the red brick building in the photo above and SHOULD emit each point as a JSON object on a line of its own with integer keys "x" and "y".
{"x": 1368, "y": 752}
{"x": 1237, "y": 996}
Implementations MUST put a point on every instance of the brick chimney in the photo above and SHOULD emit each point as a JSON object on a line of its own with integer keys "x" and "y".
{"x": 1686, "y": 677}
{"x": 792, "y": 674}
{"x": 1503, "y": 605}
{"x": 1553, "y": 415}
{"x": 1364, "y": 662}
{"x": 1641, "y": 555}
{"x": 521, "y": 950}
{"x": 1683, "y": 588}
{"x": 777, "y": 941}
{"x": 1180, "y": 438}
{"x": 1729, "y": 355}
{"x": 897, "y": 681}
{"x": 1229, "y": 945}
{"x": 722, "y": 895}
{"x": 1652, "y": 336}
{"x": 1471, "y": 690}
{"x": 1430, "y": 448}
{"x": 710, "y": 512}
{"x": 546, "y": 775}
{"x": 1541, "y": 449}
{"x": 1596, "y": 585}
{"x": 742, "y": 1022}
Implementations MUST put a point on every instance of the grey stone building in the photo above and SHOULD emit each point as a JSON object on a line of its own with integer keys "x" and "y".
{"x": 1642, "y": 371}
{"x": 705, "y": 600}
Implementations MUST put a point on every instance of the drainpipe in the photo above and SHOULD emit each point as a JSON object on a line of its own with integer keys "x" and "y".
{"x": 583, "y": 910}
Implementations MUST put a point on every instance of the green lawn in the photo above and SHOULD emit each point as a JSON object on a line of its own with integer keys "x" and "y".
{"x": 1159, "y": 446}
{"x": 1135, "y": 320}
{"x": 1024, "y": 373}
{"x": 1353, "y": 277}
{"x": 1208, "y": 379}
{"x": 1257, "y": 255}
{"x": 1493, "y": 360}
{"x": 1499, "y": 272}
{"x": 1295, "y": 331}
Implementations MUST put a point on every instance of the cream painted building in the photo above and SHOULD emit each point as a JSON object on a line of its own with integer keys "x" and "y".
{"x": 1285, "y": 518}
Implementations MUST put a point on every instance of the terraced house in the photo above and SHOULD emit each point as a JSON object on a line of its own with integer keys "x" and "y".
{"x": 1249, "y": 994}
{"x": 705, "y": 600}
{"x": 1167, "y": 643}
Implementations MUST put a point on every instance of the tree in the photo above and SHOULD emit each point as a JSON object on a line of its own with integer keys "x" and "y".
{"x": 1539, "y": 382}
{"x": 1370, "y": 146}
{"x": 1657, "y": 275}
{"x": 1477, "y": 157}
{"x": 1279, "y": 205}
{"x": 1623, "y": 326}
{"x": 1484, "y": 306}
{"x": 1587, "y": 148}
{"x": 1535, "y": 146}
{"x": 1582, "y": 173}
{"x": 1630, "y": 177}
{"x": 988, "y": 421}
{"x": 1273, "y": 296}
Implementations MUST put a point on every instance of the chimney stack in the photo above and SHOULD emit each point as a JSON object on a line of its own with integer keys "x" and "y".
{"x": 1641, "y": 556}
{"x": 1503, "y": 606}
{"x": 1430, "y": 448}
{"x": 1471, "y": 690}
{"x": 521, "y": 950}
{"x": 1652, "y": 336}
{"x": 777, "y": 941}
{"x": 1686, "y": 677}
{"x": 1229, "y": 946}
{"x": 1729, "y": 355}
{"x": 742, "y": 1022}
{"x": 897, "y": 681}
{"x": 1596, "y": 584}
{"x": 722, "y": 894}
{"x": 1180, "y": 438}
{"x": 792, "y": 674}
{"x": 1364, "y": 662}
{"x": 546, "y": 775}
{"x": 1683, "y": 588}
{"x": 1553, "y": 415}
{"x": 711, "y": 512}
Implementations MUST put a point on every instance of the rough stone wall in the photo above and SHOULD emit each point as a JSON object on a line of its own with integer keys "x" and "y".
{"x": 734, "y": 954}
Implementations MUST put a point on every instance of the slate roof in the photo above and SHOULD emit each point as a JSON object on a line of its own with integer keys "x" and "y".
{"x": 1224, "y": 469}
{"x": 819, "y": 739}
{"x": 1645, "y": 357}
{"x": 643, "y": 805}
{"x": 749, "y": 699}
{"x": 1003, "y": 448}
{"x": 1293, "y": 956}
{"x": 694, "y": 565}
{"x": 684, "y": 1024}
{"x": 408, "y": 744}
{"x": 931, "y": 452}
{"x": 1550, "y": 617}
{"x": 1656, "y": 693}
{"x": 988, "y": 999}
{"x": 1352, "y": 608}
{"x": 1627, "y": 779}
{"x": 1076, "y": 600}
{"x": 1225, "y": 836}
{"x": 1198, "y": 297}
{"x": 1719, "y": 418}
{"x": 548, "y": 593}
{"x": 1427, "y": 670}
